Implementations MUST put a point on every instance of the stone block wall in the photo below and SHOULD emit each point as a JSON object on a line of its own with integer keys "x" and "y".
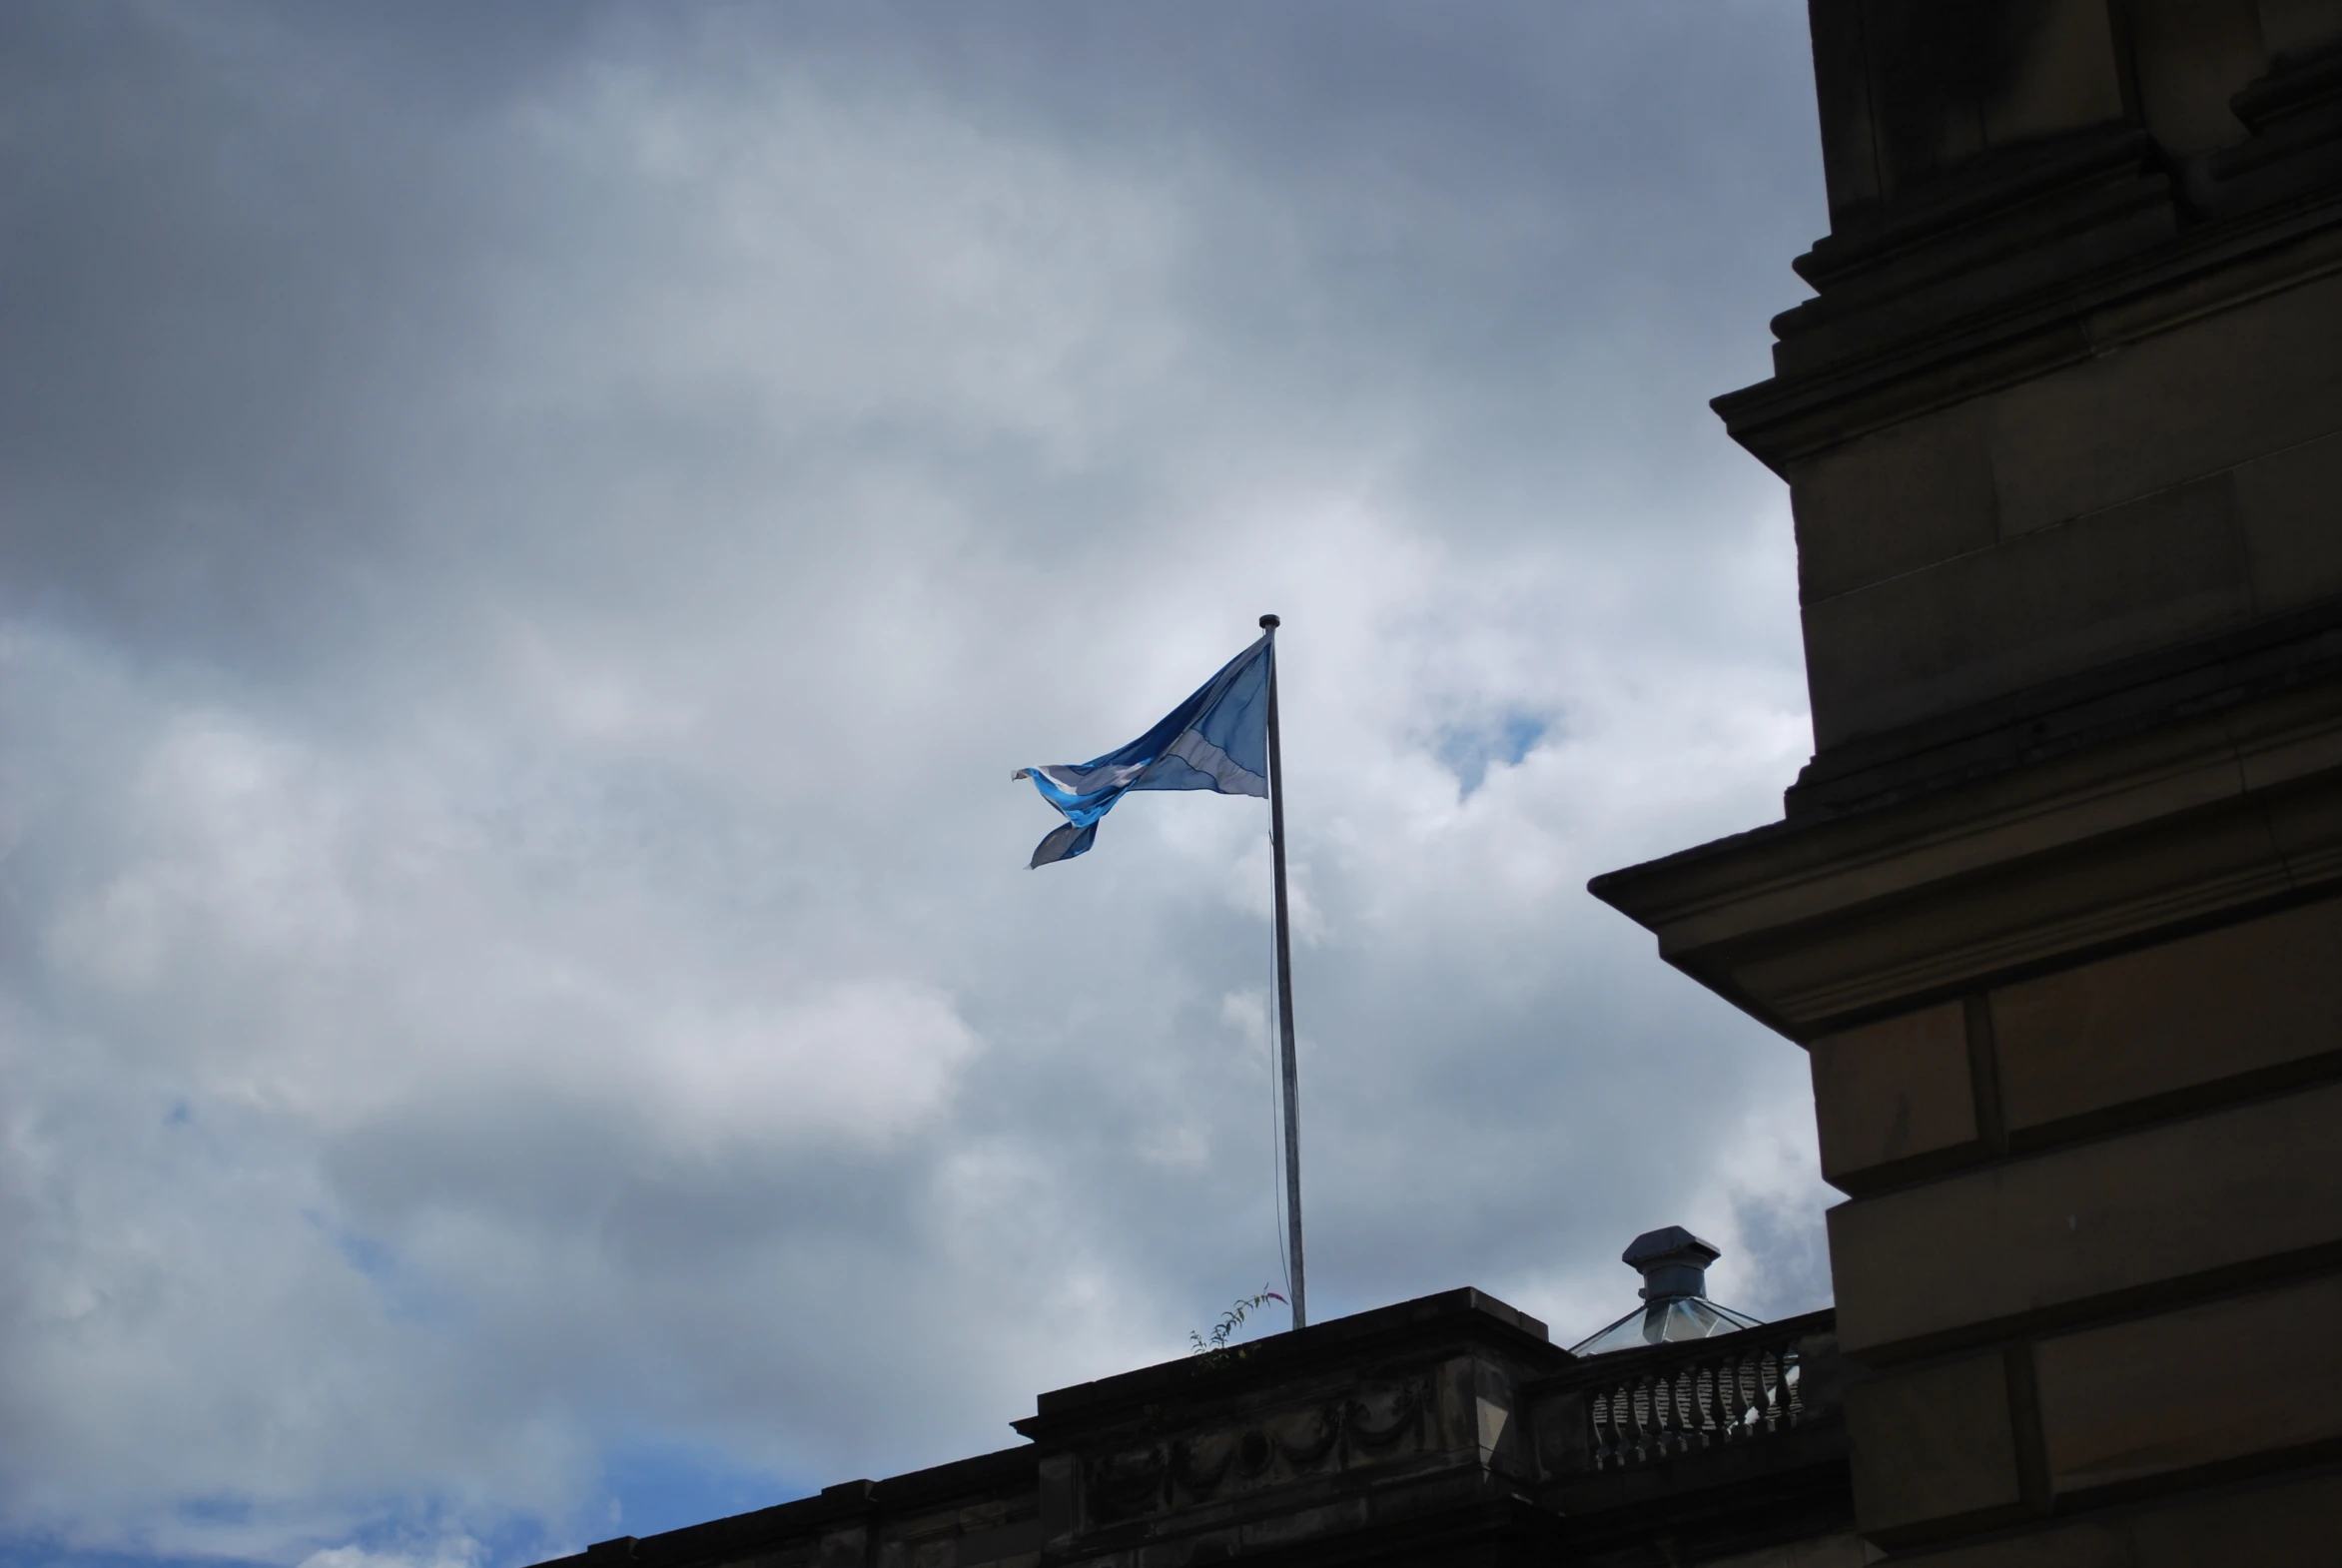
{"x": 2056, "y": 906}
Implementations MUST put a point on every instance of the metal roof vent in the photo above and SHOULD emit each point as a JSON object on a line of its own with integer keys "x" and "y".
{"x": 1674, "y": 1266}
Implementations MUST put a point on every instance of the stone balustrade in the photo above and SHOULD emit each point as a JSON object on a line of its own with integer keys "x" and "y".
{"x": 1637, "y": 1406}
{"x": 1702, "y": 1401}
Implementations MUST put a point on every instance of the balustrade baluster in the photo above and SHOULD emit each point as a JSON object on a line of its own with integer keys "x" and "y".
{"x": 1695, "y": 1398}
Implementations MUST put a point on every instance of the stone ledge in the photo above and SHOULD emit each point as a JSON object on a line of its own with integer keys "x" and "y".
{"x": 1814, "y": 926}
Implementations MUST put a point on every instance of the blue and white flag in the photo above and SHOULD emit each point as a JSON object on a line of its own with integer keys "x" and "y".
{"x": 1217, "y": 741}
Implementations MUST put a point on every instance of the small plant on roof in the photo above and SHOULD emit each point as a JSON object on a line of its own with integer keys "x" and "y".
{"x": 1215, "y": 1349}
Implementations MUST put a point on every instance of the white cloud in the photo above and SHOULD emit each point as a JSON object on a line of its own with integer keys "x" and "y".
{"x": 459, "y": 1552}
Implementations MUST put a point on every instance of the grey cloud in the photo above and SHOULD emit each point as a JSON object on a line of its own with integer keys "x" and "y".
{"x": 532, "y": 542}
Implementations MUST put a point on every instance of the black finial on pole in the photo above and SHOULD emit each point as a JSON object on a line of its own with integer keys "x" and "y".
{"x": 1288, "y": 1070}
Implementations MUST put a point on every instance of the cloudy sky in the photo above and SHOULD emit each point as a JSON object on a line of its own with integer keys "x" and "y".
{"x": 532, "y": 541}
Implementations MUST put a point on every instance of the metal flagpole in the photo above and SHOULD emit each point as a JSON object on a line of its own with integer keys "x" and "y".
{"x": 1284, "y": 993}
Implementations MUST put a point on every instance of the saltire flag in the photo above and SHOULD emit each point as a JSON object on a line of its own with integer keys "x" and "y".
{"x": 1217, "y": 741}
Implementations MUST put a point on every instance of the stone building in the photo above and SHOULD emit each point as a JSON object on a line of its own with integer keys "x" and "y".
{"x": 2053, "y": 910}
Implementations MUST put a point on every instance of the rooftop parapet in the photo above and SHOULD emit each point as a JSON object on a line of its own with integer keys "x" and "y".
{"x": 1446, "y": 1426}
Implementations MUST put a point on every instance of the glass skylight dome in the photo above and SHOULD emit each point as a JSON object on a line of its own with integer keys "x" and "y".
{"x": 1673, "y": 1265}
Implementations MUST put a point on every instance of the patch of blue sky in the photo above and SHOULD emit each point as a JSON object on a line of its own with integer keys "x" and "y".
{"x": 38, "y": 1551}
{"x": 415, "y": 1529}
{"x": 442, "y": 1530}
{"x": 519, "y": 1542}
{"x": 650, "y": 1485}
{"x": 1470, "y": 750}
{"x": 405, "y": 1297}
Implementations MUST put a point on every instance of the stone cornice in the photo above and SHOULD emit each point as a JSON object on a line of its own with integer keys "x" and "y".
{"x": 2043, "y": 253}
{"x": 1456, "y": 1319}
{"x": 1815, "y": 925}
{"x": 2064, "y": 321}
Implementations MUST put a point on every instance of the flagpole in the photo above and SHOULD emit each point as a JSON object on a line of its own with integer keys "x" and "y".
{"x": 1284, "y": 993}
